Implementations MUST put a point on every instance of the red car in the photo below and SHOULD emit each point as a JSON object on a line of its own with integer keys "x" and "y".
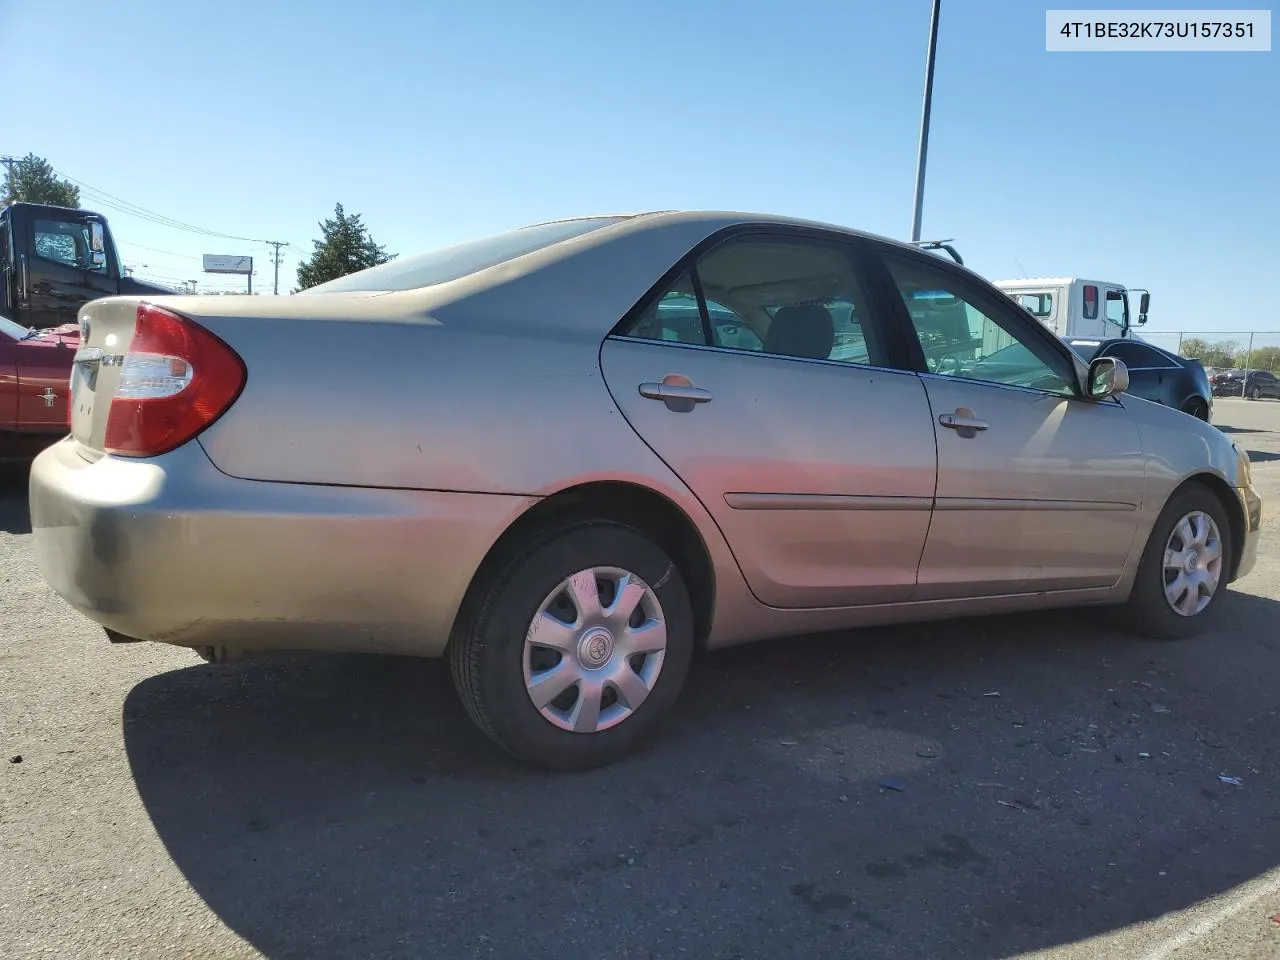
{"x": 35, "y": 371}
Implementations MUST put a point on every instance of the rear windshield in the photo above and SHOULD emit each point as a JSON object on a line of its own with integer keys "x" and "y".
{"x": 460, "y": 260}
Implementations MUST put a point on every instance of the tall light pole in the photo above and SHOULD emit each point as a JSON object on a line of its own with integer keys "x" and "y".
{"x": 924, "y": 122}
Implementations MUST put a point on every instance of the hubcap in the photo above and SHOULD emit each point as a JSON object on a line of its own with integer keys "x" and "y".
{"x": 1192, "y": 564}
{"x": 594, "y": 649}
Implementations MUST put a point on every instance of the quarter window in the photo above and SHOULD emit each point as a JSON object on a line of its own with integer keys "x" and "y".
{"x": 960, "y": 338}
{"x": 1090, "y": 302}
{"x": 674, "y": 316}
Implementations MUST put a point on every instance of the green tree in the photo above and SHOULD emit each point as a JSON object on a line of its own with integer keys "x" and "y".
{"x": 1263, "y": 358}
{"x": 1193, "y": 348}
{"x": 32, "y": 179}
{"x": 345, "y": 247}
{"x": 1222, "y": 354}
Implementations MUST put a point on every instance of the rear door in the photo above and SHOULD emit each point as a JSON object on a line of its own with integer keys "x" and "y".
{"x": 1038, "y": 489}
{"x": 820, "y": 472}
{"x": 1152, "y": 375}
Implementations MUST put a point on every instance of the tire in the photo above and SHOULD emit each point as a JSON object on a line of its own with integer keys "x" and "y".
{"x": 1197, "y": 408}
{"x": 1148, "y": 610}
{"x": 492, "y": 663}
{"x": 1255, "y": 393}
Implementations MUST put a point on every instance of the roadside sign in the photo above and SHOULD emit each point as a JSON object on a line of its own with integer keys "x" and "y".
{"x": 219, "y": 263}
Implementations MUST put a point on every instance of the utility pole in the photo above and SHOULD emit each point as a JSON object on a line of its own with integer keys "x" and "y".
{"x": 275, "y": 259}
{"x": 924, "y": 122}
{"x": 8, "y": 165}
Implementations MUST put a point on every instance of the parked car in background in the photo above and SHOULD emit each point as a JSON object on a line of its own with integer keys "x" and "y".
{"x": 1255, "y": 385}
{"x": 35, "y": 375}
{"x": 520, "y": 454}
{"x": 1155, "y": 374}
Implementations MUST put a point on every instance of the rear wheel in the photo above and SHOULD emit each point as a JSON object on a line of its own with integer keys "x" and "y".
{"x": 1255, "y": 392}
{"x": 1197, "y": 408}
{"x": 577, "y": 647}
{"x": 1184, "y": 568}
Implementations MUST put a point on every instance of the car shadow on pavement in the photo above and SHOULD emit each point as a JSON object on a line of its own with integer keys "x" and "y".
{"x": 15, "y": 515}
{"x": 967, "y": 789}
{"x": 1262, "y": 456}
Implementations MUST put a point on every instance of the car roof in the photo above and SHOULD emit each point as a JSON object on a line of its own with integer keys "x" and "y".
{"x": 720, "y": 219}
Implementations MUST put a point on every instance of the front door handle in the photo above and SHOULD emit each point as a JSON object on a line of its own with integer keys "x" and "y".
{"x": 957, "y": 422}
{"x": 675, "y": 391}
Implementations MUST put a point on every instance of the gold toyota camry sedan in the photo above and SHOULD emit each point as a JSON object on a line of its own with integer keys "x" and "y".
{"x": 566, "y": 456}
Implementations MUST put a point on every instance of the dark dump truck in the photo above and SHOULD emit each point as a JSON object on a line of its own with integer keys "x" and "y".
{"x": 53, "y": 260}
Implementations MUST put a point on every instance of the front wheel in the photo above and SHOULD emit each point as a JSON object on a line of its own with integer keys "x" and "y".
{"x": 578, "y": 647}
{"x": 1255, "y": 393}
{"x": 1184, "y": 568}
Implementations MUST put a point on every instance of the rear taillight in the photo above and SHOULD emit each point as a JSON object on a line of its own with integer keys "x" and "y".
{"x": 175, "y": 380}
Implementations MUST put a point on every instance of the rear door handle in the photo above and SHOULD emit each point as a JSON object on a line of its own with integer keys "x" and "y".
{"x": 675, "y": 391}
{"x": 954, "y": 422}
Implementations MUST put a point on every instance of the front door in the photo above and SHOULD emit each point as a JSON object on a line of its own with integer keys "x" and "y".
{"x": 759, "y": 375}
{"x": 1038, "y": 489}
{"x": 43, "y": 370}
{"x": 61, "y": 273}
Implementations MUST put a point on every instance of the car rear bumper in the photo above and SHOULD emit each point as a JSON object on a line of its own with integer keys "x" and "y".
{"x": 170, "y": 549}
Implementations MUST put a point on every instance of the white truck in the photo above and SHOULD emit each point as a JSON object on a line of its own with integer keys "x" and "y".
{"x": 1073, "y": 307}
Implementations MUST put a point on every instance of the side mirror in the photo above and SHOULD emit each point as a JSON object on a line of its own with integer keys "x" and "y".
{"x": 1107, "y": 378}
{"x": 1144, "y": 304}
{"x": 97, "y": 244}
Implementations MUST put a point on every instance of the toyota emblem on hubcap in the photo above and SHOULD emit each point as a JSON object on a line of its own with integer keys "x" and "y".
{"x": 595, "y": 648}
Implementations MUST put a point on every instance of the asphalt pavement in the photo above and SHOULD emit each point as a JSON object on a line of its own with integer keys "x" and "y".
{"x": 1035, "y": 786}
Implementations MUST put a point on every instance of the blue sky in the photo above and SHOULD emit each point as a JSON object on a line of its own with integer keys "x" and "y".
{"x": 442, "y": 121}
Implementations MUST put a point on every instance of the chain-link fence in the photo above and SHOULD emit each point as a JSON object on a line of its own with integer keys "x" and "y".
{"x": 1222, "y": 351}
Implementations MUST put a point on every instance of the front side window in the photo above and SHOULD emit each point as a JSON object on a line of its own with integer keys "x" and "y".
{"x": 66, "y": 242}
{"x": 787, "y": 297}
{"x": 959, "y": 338}
{"x": 1117, "y": 308}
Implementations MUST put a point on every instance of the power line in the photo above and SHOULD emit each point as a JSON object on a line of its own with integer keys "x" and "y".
{"x": 171, "y": 253}
{"x": 142, "y": 213}
{"x": 100, "y": 196}
{"x": 145, "y": 214}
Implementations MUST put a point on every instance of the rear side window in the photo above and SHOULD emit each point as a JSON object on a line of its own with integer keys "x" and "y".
{"x": 1137, "y": 356}
{"x": 787, "y": 297}
{"x": 460, "y": 260}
